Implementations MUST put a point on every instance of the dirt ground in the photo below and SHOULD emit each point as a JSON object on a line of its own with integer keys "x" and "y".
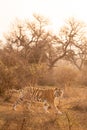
{"x": 73, "y": 117}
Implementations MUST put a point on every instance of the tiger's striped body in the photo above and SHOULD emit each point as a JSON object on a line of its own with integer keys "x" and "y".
{"x": 30, "y": 95}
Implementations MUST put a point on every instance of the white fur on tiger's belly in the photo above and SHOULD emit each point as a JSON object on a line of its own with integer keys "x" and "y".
{"x": 46, "y": 106}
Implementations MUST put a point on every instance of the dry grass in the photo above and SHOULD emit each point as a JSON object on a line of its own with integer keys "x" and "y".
{"x": 74, "y": 117}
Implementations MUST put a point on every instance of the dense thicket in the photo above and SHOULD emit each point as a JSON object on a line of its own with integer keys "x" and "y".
{"x": 31, "y": 54}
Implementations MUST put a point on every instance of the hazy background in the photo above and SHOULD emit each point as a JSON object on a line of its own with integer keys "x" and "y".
{"x": 55, "y": 10}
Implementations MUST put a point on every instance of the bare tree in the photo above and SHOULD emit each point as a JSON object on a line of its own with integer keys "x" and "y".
{"x": 75, "y": 34}
{"x": 69, "y": 44}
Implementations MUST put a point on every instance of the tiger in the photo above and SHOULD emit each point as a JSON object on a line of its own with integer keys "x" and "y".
{"x": 47, "y": 96}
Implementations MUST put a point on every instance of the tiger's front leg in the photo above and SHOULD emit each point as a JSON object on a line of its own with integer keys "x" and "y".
{"x": 57, "y": 104}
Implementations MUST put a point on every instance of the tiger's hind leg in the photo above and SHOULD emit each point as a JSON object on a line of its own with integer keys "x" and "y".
{"x": 20, "y": 100}
{"x": 15, "y": 106}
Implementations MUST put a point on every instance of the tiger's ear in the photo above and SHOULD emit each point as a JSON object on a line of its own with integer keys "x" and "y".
{"x": 55, "y": 88}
